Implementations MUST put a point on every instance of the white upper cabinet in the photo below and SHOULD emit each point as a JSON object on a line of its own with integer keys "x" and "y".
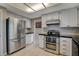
{"x": 44, "y": 21}
{"x": 47, "y": 17}
{"x": 69, "y": 18}
{"x": 52, "y": 16}
{"x": 28, "y": 23}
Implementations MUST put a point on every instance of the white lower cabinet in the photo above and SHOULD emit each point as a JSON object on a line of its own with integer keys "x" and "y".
{"x": 66, "y": 46}
{"x": 41, "y": 41}
{"x": 29, "y": 38}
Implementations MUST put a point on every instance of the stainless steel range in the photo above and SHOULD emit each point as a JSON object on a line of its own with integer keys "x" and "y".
{"x": 52, "y": 41}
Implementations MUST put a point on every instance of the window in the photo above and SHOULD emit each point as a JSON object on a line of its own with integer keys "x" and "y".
{"x": 38, "y": 24}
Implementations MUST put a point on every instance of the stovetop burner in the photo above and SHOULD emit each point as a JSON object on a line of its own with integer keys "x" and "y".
{"x": 53, "y": 33}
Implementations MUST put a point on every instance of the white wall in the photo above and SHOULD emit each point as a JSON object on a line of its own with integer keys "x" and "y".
{"x": 3, "y": 31}
{"x": 0, "y": 33}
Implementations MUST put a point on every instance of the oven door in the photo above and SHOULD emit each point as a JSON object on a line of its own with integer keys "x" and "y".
{"x": 51, "y": 39}
{"x": 52, "y": 44}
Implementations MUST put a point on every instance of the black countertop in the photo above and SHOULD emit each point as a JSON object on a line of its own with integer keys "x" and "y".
{"x": 66, "y": 35}
{"x": 43, "y": 34}
{"x": 29, "y": 33}
{"x": 70, "y": 35}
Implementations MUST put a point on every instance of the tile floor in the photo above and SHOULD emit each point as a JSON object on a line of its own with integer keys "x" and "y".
{"x": 32, "y": 50}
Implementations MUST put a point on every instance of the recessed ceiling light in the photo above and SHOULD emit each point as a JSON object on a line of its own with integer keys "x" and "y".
{"x": 29, "y": 10}
{"x": 32, "y": 7}
{"x": 46, "y": 4}
{"x": 38, "y": 7}
{"x": 50, "y": 4}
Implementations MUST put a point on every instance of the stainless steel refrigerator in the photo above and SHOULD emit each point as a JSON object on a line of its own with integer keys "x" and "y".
{"x": 15, "y": 35}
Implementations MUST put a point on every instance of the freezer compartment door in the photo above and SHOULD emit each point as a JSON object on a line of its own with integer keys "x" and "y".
{"x": 23, "y": 42}
{"x": 14, "y": 45}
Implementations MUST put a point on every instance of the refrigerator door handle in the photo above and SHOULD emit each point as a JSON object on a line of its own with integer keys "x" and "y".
{"x": 15, "y": 40}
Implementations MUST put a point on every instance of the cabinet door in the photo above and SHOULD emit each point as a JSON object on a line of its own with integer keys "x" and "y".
{"x": 66, "y": 46}
{"x": 52, "y": 16}
{"x": 41, "y": 41}
{"x": 68, "y": 18}
{"x": 44, "y": 22}
{"x": 62, "y": 46}
{"x": 69, "y": 46}
{"x": 28, "y": 23}
{"x": 28, "y": 39}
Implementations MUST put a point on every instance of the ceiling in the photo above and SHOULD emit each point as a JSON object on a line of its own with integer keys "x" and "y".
{"x": 32, "y": 7}
{"x": 34, "y": 10}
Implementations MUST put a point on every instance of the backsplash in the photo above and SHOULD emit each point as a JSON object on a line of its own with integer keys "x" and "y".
{"x": 69, "y": 30}
{"x": 62, "y": 30}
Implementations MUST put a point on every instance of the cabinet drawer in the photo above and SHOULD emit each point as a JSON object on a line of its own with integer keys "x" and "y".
{"x": 63, "y": 45}
{"x": 63, "y": 40}
{"x": 63, "y": 49}
{"x": 63, "y": 52}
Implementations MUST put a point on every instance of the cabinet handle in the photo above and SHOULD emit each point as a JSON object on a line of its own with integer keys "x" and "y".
{"x": 64, "y": 45}
{"x": 64, "y": 40}
{"x": 64, "y": 49}
{"x": 64, "y": 53}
